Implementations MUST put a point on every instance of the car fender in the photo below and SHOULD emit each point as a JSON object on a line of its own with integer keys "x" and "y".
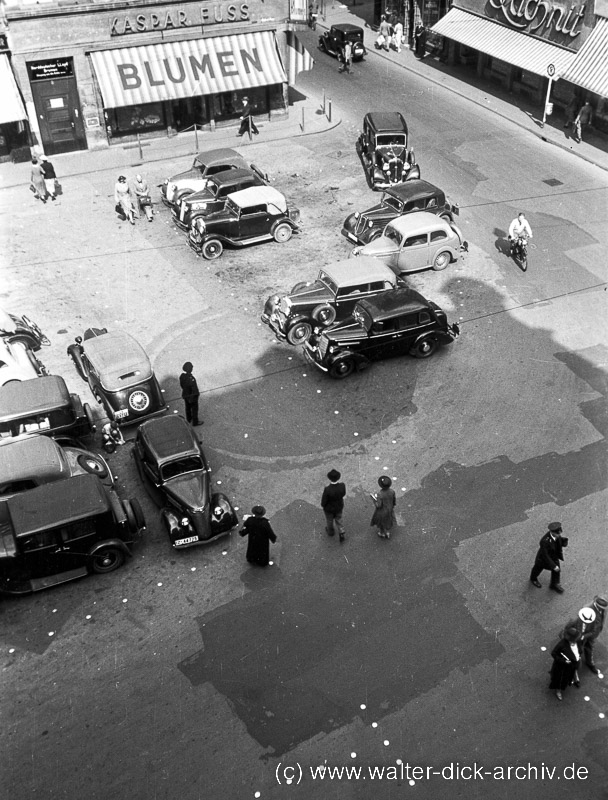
{"x": 297, "y": 318}
{"x": 172, "y": 521}
{"x": 223, "y": 516}
{"x": 118, "y": 543}
{"x": 360, "y": 360}
{"x": 278, "y": 222}
{"x": 75, "y": 353}
{"x": 219, "y": 236}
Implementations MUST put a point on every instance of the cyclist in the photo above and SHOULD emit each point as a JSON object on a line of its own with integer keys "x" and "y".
{"x": 520, "y": 227}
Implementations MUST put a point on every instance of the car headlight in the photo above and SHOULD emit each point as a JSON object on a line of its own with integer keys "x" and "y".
{"x": 200, "y": 224}
{"x": 199, "y": 206}
{"x": 332, "y": 349}
{"x": 184, "y": 522}
{"x": 356, "y": 215}
{"x": 370, "y": 223}
{"x": 356, "y": 251}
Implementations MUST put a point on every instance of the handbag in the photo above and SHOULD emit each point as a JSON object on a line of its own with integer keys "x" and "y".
{"x": 31, "y": 188}
{"x": 58, "y": 187}
{"x": 145, "y": 200}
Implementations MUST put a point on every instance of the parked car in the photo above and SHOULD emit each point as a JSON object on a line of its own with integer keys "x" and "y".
{"x": 391, "y": 324}
{"x": 385, "y": 151}
{"x": 203, "y": 167}
{"x": 18, "y": 362}
{"x": 44, "y": 405}
{"x": 213, "y": 197}
{"x": 417, "y": 241}
{"x": 62, "y": 531}
{"x": 30, "y": 461}
{"x": 172, "y": 465}
{"x": 21, "y": 329}
{"x": 250, "y": 216}
{"x": 416, "y": 195}
{"x": 332, "y": 296}
{"x": 332, "y": 41}
{"x": 119, "y": 374}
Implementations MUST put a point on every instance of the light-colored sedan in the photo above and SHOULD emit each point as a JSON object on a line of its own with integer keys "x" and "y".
{"x": 18, "y": 363}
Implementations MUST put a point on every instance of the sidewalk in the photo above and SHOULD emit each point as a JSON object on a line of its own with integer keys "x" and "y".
{"x": 465, "y": 83}
{"x": 126, "y": 156}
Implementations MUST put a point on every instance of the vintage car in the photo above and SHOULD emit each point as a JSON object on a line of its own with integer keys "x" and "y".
{"x": 332, "y": 296}
{"x": 203, "y": 167}
{"x": 30, "y": 461}
{"x": 385, "y": 151}
{"x": 119, "y": 374}
{"x": 250, "y": 216}
{"x": 417, "y": 241}
{"x": 213, "y": 197}
{"x": 392, "y": 324}
{"x": 21, "y": 329}
{"x": 62, "y": 531}
{"x": 172, "y": 465}
{"x": 332, "y": 41}
{"x": 416, "y": 195}
{"x": 44, "y": 405}
{"x": 18, "y": 362}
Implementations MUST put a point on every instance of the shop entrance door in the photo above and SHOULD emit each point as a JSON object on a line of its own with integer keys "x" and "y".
{"x": 59, "y": 117}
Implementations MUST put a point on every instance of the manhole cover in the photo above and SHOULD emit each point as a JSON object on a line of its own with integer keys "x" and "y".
{"x": 553, "y": 182}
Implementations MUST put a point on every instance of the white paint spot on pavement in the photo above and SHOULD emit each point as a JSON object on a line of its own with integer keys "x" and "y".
{"x": 362, "y": 706}
{"x": 353, "y": 755}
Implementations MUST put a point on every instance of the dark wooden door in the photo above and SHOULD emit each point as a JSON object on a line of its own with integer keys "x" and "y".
{"x": 59, "y": 116}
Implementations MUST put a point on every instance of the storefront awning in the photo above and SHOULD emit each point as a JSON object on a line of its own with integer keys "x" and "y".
{"x": 173, "y": 70}
{"x": 11, "y": 107}
{"x": 590, "y": 67}
{"x": 501, "y": 42}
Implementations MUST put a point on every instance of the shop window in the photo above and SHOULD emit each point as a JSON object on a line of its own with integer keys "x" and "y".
{"x": 136, "y": 119}
{"x": 189, "y": 112}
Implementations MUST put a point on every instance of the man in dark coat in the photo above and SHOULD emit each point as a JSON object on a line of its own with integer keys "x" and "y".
{"x": 190, "y": 393}
{"x": 247, "y": 123}
{"x": 550, "y": 553}
{"x": 332, "y": 503}
{"x": 260, "y": 535}
{"x": 49, "y": 176}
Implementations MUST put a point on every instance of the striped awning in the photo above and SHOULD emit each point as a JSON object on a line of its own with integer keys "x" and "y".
{"x": 11, "y": 107}
{"x": 590, "y": 67}
{"x": 498, "y": 41}
{"x": 153, "y": 73}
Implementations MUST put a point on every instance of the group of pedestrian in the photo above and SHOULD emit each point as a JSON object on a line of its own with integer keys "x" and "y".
{"x": 390, "y": 34}
{"x": 43, "y": 179}
{"x": 131, "y": 200}
{"x": 332, "y": 503}
{"x": 578, "y": 118}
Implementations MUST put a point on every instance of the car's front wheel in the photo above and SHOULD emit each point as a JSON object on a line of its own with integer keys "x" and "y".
{"x": 107, "y": 559}
{"x": 441, "y": 260}
{"x": 325, "y": 314}
{"x": 212, "y": 249}
{"x": 424, "y": 348}
{"x": 283, "y": 232}
{"x": 299, "y": 333}
{"x": 342, "y": 368}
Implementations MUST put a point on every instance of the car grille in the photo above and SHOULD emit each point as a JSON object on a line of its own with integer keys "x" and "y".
{"x": 360, "y": 226}
{"x": 323, "y": 344}
{"x": 182, "y": 210}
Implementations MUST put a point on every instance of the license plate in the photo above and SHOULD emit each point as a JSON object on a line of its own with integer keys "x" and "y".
{"x": 352, "y": 237}
{"x": 121, "y": 414}
{"x": 182, "y": 212}
{"x": 187, "y": 540}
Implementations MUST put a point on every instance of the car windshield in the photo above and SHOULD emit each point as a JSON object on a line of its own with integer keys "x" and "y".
{"x": 199, "y": 166}
{"x": 392, "y": 234}
{"x": 212, "y": 188}
{"x": 362, "y": 317}
{"x": 232, "y": 208}
{"x": 386, "y": 139}
{"x": 328, "y": 281}
{"x": 180, "y": 466}
{"x": 392, "y": 202}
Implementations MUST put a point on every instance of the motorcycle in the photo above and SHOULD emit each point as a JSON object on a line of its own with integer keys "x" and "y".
{"x": 519, "y": 251}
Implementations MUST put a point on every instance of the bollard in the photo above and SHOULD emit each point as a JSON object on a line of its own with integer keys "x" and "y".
{"x": 303, "y": 127}
{"x": 324, "y": 101}
{"x": 329, "y": 110}
{"x": 141, "y": 152}
{"x": 196, "y": 137}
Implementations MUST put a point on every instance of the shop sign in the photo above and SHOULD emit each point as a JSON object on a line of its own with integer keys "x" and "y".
{"x": 52, "y": 68}
{"x": 542, "y": 17}
{"x": 174, "y": 19}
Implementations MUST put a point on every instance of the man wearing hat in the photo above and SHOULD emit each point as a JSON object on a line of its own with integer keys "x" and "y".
{"x": 550, "y": 553}
{"x": 49, "y": 176}
{"x": 592, "y": 619}
{"x": 260, "y": 534}
{"x": 332, "y": 503}
{"x": 190, "y": 393}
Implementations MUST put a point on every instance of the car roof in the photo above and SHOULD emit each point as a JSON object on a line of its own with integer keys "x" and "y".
{"x": 115, "y": 355}
{"x": 55, "y": 504}
{"x": 346, "y": 27}
{"x": 32, "y": 397}
{"x": 256, "y": 195}
{"x": 387, "y": 120}
{"x": 231, "y": 176}
{"x": 412, "y": 190}
{"x": 418, "y": 222}
{"x": 394, "y": 302}
{"x": 211, "y": 157}
{"x": 28, "y": 456}
{"x": 354, "y": 270}
{"x": 168, "y": 437}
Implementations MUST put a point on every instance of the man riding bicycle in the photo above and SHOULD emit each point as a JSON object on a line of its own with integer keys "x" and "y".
{"x": 520, "y": 227}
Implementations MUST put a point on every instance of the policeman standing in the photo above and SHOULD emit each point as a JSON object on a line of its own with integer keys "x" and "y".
{"x": 590, "y": 623}
{"x": 550, "y": 553}
{"x": 190, "y": 393}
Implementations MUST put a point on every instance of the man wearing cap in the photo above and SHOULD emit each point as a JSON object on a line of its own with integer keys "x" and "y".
{"x": 550, "y": 553}
{"x": 591, "y": 626}
{"x": 332, "y": 503}
{"x": 190, "y": 393}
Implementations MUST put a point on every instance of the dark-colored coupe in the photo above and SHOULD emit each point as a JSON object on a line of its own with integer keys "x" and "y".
{"x": 173, "y": 467}
{"x": 333, "y": 41}
{"x": 385, "y": 150}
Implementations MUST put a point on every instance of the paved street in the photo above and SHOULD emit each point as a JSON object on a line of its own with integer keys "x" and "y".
{"x": 192, "y": 675}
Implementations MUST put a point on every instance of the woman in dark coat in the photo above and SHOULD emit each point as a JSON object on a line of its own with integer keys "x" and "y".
{"x": 566, "y": 658}
{"x": 384, "y": 513}
{"x": 260, "y": 535}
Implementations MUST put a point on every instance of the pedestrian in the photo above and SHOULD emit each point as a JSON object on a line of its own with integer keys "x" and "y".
{"x": 398, "y": 36}
{"x": 260, "y": 535}
{"x": 347, "y": 57}
{"x": 37, "y": 181}
{"x": 420, "y": 41}
{"x": 247, "y": 123}
{"x": 48, "y": 170}
{"x": 385, "y": 32}
{"x": 550, "y": 553}
{"x": 384, "y": 513}
{"x": 571, "y": 111}
{"x": 590, "y": 623}
{"x": 583, "y": 120}
{"x": 566, "y": 658}
{"x": 332, "y": 503}
{"x": 190, "y": 394}
{"x": 142, "y": 193}
{"x": 123, "y": 197}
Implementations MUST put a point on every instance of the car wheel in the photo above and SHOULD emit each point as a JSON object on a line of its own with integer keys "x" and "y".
{"x": 324, "y": 314}
{"x": 424, "y": 348}
{"x": 342, "y": 368}
{"x": 92, "y": 466}
{"x": 212, "y": 249}
{"x": 374, "y": 235}
{"x": 283, "y": 232}
{"x": 446, "y": 217}
{"x": 107, "y": 559}
{"x": 299, "y": 333}
{"x": 441, "y": 260}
